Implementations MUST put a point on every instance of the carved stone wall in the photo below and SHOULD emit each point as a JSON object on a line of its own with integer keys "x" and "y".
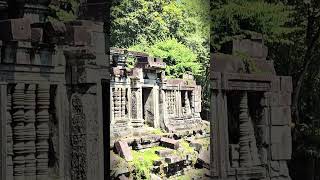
{"x": 260, "y": 121}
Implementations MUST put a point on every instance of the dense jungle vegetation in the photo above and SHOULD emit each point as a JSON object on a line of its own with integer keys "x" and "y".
{"x": 184, "y": 32}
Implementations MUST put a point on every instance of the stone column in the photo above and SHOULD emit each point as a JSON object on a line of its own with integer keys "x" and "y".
{"x": 123, "y": 102}
{"x": 9, "y": 162}
{"x": 245, "y": 159}
{"x": 248, "y": 148}
{"x": 117, "y": 103}
{"x": 111, "y": 105}
{"x": 219, "y": 156}
{"x": 30, "y": 132}
{"x": 18, "y": 132}
{"x": 42, "y": 132}
{"x": 156, "y": 104}
{"x": 178, "y": 103}
{"x": 187, "y": 103}
{"x": 5, "y": 139}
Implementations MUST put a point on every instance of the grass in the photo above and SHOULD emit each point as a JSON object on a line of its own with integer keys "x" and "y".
{"x": 157, "y": 131}
{"x": 205, "y": 142}
{"x": 143, "y": 161}
{"x": 185, "y": 150}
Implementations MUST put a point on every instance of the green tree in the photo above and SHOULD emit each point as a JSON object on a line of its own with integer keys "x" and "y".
{"x": 177, "y": 56}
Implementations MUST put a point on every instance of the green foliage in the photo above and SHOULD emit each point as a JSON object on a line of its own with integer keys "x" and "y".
{"x": 143, "y": 161}
{"x": 131, "y": 61}
{"x": 157, "y": 132}
{"x": 239, "y": 18}
{"x": 185, "y": 149}
{"x": 178, "y": 57}
{"x": 64, "y": 10}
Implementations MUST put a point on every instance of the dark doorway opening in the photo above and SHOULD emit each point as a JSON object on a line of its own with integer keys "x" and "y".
{"x": 106, "y": 125}
{"x": 147, "y": 105}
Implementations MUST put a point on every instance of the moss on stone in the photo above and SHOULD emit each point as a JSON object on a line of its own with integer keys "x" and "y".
{"x": 143, "y": 161}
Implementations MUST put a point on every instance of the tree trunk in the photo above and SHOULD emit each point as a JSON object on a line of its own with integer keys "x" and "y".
{"x": 307, "y": 59}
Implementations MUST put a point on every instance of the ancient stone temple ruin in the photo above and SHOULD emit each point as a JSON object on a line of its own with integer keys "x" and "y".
{"x": 250, "y": 125}
{"x": 53, "y": 76}
{"x": 142, "y": 95}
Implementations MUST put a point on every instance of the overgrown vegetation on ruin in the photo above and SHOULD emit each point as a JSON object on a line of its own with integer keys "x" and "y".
{"x": 290, "y": 28}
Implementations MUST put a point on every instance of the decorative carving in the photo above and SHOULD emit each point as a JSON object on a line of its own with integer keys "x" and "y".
{"x": 30, "y": 131}
{"x": 9, "y": 136}
{"x": 42, "y": 132}
{"x": 123, "y": 102}
{"x": 78, "y": 140}
{"x": 134, "y": 109}
{"x": 248, "y": 148}
{"x": 18, "y": 131}
{"x": 116, "y": 103}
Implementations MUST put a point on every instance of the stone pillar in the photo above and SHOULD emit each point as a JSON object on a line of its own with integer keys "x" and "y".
{"x": 139, "y": 103}
{"x": 18, "y": 132}
{"x": 248, "y": 148}
{"x": 5, "y": 135}
{"x": 42, "y": 132}
{"x": 178, "y": 103}
{"x": 9, "y": 162}
{"x": 30, "y": 132}
{"x": 219, "y": 135}
{"x": 187, "y": 103}
{"x": 245, "y": 159}
{"x": 123, "y": 102}
{"x": 156, "y": 120}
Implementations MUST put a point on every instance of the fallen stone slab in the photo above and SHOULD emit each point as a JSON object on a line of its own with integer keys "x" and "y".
{"x": 164, "y": 152}
{"x": 172, "y": 159}
{"x": 204, "y": 159}
{"x": 157, "y": 162}
{"x": 169, "y": 143}
{"x": 155, "y": 177}
{"x": 123, "y": 150}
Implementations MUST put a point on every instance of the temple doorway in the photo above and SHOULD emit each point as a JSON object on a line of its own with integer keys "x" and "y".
{"x": 148, "y": 106}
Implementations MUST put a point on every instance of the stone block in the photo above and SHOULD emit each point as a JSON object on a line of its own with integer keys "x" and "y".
{"x": 172, "y": 159}
{"x": 286, "y": 84}
{"x": 157, "y": 162}
{"x": 281, "y": 143}
{"x": 280, "y": 115}
{"x": 54, "y": 32}
{"x": 275, "y": 84}
{"x": 36, "y": 35}
{"x": 78, "y": 36}
{"x": 281, "y": 99}
{"x": 155, "y": 177}
{"x": 197, "y": 146}
{"x": 15, "y": 30}
{"x": 123, "y": 150}
{"x": 226, "y": 63}
{"x": 252, "y": 48}
{"x": 164, "y": 152}
{"x": 204, "y": 159}
{"x": 169, "y": 143}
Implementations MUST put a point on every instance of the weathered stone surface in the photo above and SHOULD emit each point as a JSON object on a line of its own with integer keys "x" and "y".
{"x": 78, "y": 35}
{"x": 281, "y": 143}
{"x": 155, "y": 177}
{"x": 169, "y": 143}
{"x": 196, "y": 145}
{"x": 123, "y": 150}
{"x": 204, "y": 158}
{"x": 251, "y": 113}
{"x": 164, "y": 152}
{"x": 15, "y": 29}
{"x": 157, "y": 163}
